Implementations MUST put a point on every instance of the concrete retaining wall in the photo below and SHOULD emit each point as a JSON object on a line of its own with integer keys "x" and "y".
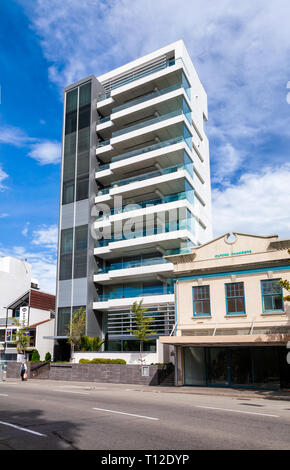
{"x": 106, "y": 373}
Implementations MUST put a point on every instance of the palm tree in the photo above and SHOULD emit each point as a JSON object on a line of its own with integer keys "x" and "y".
{"x": 142, "y": 329}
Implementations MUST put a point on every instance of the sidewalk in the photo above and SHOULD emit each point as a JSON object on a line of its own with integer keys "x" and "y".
{"x": 211, "y": 391}
{"x": 219, "y": 391}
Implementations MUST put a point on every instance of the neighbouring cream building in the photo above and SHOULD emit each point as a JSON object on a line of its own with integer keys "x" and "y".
{"x": 232, "y": 324}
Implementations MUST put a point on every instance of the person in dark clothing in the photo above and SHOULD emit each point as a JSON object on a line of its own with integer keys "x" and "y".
{"x": 23, "y": 371}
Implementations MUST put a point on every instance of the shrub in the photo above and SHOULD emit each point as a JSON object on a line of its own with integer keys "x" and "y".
{"x": 100, "y": 360}
{"x": 89, "y": 343}
{"x": 47, "y": 357}
{"x": 35, "y": 356}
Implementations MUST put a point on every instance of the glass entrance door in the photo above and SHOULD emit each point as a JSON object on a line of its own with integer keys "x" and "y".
{"x": 218, "y": 366}
{"x": 241, "y": 367}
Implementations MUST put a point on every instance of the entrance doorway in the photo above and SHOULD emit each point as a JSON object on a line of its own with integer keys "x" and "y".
{"x": 255, "y": 367}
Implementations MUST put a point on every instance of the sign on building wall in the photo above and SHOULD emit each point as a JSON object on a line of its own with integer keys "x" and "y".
{"x": 23, "y": 316}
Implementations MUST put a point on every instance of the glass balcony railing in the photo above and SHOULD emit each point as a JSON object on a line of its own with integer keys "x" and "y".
{"x": 184, "y": 224}
{"x": 151, "y": 174}
{"x": 178, "y": 251}
{"x": 103, "y": 191}
{"x": 149, "y": 148}
{"x": 140, "y": 151}
{"x": 102, "y": 143}
{"x": 131, "y": 292}
{"x": 149, "y": 122}
{"x": 104, "y": 96}
{"x": 148, "y": 97}
{"x": 103, "y": 166}
{"x": 142, "y": 205}
{"x": 146, "y": 176}
{"x": 104, "y": 119}
{"x": 132, "y": 264}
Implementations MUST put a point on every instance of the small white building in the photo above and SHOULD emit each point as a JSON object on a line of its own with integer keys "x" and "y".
{"x": 21, "y": 302}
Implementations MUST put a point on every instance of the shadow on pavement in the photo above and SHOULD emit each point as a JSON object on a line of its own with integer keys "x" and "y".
{"x": 17, "y": 430}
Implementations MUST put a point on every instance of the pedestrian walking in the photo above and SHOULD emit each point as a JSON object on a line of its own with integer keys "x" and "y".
{"x": 23, "y": 371}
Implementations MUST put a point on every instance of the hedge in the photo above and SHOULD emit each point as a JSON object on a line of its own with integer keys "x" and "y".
{"x": 102, "y": 361}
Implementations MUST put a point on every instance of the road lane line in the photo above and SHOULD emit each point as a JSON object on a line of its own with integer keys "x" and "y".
{"x": 22, "y": 429}
{"x": 128, "y": 414}
{"x": 70, "y": 391}
{"x": 235, "y": 411}
{"x": 3, "y": 395}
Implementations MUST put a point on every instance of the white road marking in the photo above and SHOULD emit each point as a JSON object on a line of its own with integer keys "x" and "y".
{"x": 128, "y": 414}
{"x": 22, "y": 429}
{"x": 3, "y": 395}
{"x": 70, "y": 391}
{"x": 235, "y": 411}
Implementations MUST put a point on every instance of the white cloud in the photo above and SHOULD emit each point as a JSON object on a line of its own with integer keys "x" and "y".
{"x": 13, "y": 136}
{"x": 257, "y": 204}
{"x": 25, "y": 230}
{"x": 4, "y": 215}
{"x": 240, "y": 51}
{"x": 46, "y": 152}
{"x": 43, "y": 151}
{"x": 3, "y": 176}
{"x": 46, "y": 236}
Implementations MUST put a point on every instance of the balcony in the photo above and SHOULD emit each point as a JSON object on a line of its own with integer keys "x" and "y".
{"x": 185, "y": 224}
{"x": 128, "y": 293}
{"x": 147, "y": 97}
{"x": 135, "y": 75}
{"x": 132, "y": 264}
{"x": 140, "y": 151}
{"x": 141, "y": 205}
{"x": 143, "y": 177}
{"x": 147, "y": 122}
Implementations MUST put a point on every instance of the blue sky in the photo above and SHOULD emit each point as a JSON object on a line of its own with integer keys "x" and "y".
{"x": 242, "y": 55}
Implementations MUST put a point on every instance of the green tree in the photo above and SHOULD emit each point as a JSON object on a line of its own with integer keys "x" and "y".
{"x": 76, "y": 329}
{"x": 22, "y": 337}
{"x": 35, "y": 356}
{"x": 142, "y": 329}
{"x": 285, "y": 285}
{"x": 47, "y": 357}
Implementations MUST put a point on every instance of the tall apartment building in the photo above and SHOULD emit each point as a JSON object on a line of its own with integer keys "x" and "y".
{"x": 135, "y": 186}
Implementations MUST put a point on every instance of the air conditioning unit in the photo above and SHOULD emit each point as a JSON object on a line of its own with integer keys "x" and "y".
{"x": 23, "y": 316}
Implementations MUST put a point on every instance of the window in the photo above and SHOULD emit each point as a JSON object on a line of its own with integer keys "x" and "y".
{"x": 272, "y": 296}
{"x": 235, "y": 298}
{"x": 63, "y": 320}
{"x": 80, "y": 254}
{"x": 201, "y": 302}
{"x": 66, "y": 245}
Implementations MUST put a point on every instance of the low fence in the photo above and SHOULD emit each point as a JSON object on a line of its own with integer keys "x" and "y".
{"x": 105, "y": 373}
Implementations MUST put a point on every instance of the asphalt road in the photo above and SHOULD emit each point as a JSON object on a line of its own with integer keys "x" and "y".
{"x": 60, "y": 415}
